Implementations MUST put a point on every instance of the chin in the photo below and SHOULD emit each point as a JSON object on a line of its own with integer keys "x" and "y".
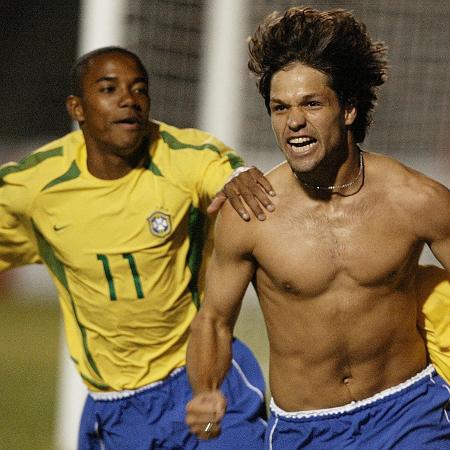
{"x": 304, "y": 167}
{"x": 129, "y": 146}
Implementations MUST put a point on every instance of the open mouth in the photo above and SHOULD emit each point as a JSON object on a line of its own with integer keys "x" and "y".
{"x": 301, "y": 144}
{"x": 132, "y": 122}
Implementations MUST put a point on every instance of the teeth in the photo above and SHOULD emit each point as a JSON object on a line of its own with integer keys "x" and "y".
{"x": 303, "y": 143}
{"x": 300, "y": 140}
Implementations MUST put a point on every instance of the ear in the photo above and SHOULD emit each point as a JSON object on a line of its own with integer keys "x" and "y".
{"x": 350, "y": 113}
{"x": 75, "y": 108}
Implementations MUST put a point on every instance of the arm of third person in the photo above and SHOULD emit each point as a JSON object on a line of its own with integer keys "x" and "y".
{"x": 249, "y": 185}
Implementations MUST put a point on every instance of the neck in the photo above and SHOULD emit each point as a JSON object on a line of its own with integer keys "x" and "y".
{"x": 349, "y": 182}
{"x": 111, "y": 165}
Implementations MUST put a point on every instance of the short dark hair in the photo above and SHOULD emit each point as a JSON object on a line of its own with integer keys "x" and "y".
{"x": 333, "y": 42}
{"x": 79, "y": 69}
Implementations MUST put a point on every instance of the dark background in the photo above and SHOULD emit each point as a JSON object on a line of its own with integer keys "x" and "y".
{"x": 38, "y": 47}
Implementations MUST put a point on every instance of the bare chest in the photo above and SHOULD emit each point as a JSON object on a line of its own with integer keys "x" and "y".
{"x": 306, "y": 252}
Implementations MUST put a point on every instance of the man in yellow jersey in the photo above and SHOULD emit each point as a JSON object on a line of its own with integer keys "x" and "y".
{"x": 335, "y": 266}
{"x": 117, "y": 213}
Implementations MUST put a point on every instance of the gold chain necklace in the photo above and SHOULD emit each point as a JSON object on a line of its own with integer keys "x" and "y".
{"x": 335, "y": 187}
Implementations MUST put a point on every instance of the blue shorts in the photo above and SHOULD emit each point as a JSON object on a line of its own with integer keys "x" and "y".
{"x": 414, "y": 415}
{"x": 154, "y": 417}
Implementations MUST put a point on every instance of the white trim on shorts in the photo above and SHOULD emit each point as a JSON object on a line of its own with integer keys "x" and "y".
{"x": 428, "y": 371}
{"x": 245, "y": 380}
{"x": 117, "y": 395}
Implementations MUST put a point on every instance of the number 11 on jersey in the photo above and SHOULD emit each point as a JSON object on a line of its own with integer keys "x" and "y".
{"x": 109, "y": 276}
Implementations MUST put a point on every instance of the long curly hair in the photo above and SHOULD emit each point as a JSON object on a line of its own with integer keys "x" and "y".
{"x": 333, "y": 42}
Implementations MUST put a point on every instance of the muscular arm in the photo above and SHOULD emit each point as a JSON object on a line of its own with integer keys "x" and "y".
{"x": 209, "y": 350}
{"x": 437, "y": 220}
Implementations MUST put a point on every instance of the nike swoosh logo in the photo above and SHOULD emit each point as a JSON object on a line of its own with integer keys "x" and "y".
{"x": 59, "y": 227}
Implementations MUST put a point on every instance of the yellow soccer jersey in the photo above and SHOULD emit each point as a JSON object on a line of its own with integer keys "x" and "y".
{"x": 124, "y": 254}
{"x": 434, "y": 316}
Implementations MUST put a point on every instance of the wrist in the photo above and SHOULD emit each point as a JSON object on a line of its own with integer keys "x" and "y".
{"x": 238, "y": 171}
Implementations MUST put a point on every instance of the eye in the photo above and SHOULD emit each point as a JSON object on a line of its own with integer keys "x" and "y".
{"x": 141, "y": 90}
{"x": 107, "y": 89}
{"x": 278, "y": 107}
{"x": 314, "y": 104}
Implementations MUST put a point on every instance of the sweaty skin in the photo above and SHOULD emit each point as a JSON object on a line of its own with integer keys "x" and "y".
{"x": 338, "y": 295}
{"x": 334, "y": 272}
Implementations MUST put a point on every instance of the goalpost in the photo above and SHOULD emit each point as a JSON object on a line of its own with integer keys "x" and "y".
{"x": 223, "y": 70}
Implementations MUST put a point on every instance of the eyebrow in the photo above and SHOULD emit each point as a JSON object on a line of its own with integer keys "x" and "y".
{"x": 305, "y": 97}
{"x": 111, "y": 78}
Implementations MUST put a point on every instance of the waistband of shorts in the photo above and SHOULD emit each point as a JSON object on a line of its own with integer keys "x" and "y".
{"x": 118, "y": 395}
{"x": 428, "y": 371}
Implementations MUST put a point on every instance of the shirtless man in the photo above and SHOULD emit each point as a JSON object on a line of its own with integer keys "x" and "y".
{"x": 335, "y": 265}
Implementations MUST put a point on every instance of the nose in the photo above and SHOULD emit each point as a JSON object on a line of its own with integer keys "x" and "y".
{"x": 128, "y": 99}
{"x": 296, "y": 119}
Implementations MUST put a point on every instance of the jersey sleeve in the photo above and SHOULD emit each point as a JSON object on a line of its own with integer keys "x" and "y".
{"x": 212, "y": 168}
{"x": 17, "y": 248}
{"x": 217, "y": 171}
{"x": 196, "y": 161}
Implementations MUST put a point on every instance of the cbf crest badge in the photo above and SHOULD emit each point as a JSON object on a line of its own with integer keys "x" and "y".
{"x": 160, "y": 224}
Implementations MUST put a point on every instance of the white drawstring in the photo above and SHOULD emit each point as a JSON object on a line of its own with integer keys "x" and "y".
{"x": 447, "y": 404}
{"x": 431, "y": 378}
{"x": 271, "y": 433}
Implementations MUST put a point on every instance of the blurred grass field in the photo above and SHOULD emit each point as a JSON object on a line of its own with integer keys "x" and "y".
{"x": 29, "y": 335}
{"x": 28, "y": 354}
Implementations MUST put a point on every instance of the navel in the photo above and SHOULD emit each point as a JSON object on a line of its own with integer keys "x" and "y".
{"x": 346, "y": 380}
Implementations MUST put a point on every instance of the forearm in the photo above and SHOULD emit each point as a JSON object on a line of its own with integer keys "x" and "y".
{"x": 209, "y": 353}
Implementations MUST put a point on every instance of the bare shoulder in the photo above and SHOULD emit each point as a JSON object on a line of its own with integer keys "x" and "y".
{"x": 424, "y": 203}
{"x": 281, "y": 177}
{"x": 278, "y": 172}
{"x": 409, "y": 185}
{"x": 233, "y": 232}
